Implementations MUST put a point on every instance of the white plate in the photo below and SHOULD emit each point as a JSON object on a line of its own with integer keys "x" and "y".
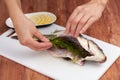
{"x": 30, "y": 15}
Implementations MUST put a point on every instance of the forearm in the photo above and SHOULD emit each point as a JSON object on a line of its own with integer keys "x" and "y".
{"x": 19, "y": 3}
{"x": 14, "y": 9}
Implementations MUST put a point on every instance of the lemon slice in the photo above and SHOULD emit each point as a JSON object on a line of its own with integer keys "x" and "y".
{"x": 43, "y": 18}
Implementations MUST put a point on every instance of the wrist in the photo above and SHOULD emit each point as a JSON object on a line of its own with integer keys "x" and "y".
{"x": 100, "y": 2}
{"x": 17, "y": 17}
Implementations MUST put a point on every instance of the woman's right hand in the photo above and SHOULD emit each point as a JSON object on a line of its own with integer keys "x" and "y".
{"x": 26, "y": 30}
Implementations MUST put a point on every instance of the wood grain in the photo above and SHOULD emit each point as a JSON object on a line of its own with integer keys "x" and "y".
{"x": 32, "y": 75}
{"x": 10, "y": 70}
{"x": 3, "y": 16}
{"x": 106, "y": 29}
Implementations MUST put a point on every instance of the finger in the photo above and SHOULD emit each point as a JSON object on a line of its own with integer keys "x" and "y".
{"x": 40, "y": 36}
{"x": 45, "y": 48}
{"x": 75, "y": 23}
{"x": 41, "y": 48}
{"x": 31, "y": 47}
{"x": 37, "y": 49}
{"x": 88, "y": 24}
{"x": 81, "y": 24}
{"x": 39, "y": 45}
{"x": 68, "y": 24}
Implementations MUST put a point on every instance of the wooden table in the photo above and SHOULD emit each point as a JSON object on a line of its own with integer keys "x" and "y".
{"x": 106, "y": 29}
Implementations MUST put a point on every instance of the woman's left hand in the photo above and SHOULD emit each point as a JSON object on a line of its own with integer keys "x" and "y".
{"x": 83, "y": 17}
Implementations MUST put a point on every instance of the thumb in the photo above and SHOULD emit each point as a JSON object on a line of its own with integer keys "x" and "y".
{"x": 40, "y": 36}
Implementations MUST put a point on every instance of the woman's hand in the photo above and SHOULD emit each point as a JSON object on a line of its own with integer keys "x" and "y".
{"x": 26, "y": 30}
{"x": 84, "y": 16}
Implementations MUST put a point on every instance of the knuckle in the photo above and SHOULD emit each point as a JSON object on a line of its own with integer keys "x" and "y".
{"x": 69, "y": 21}
{"x": 82, "y": 22}
{"x": 77, "y": 33}
{"x": 100, "y": 14}
{"x": 84, "y": 29}
{"x": 75, "y": 22}
{"x": 24, "y": 41}
{"x": 35, "y": 32}
{"x": 97, "y": 16}
{"x": 79, "y": 8}
{"x": 72, "y": 30}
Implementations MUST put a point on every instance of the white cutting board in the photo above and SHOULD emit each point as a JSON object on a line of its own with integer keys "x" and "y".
{"x": 57, "y": 68}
